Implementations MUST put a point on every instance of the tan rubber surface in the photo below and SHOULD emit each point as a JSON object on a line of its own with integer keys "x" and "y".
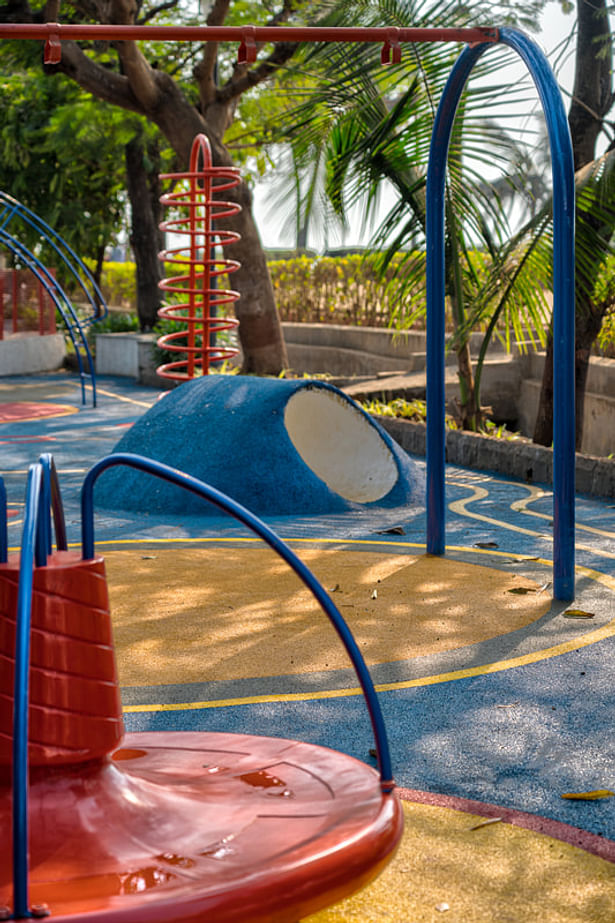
{"x": 445, "y": 872}
{"x": 189, "y": 615}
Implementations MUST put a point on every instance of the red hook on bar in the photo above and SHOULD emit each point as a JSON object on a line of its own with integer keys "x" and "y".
{"x": 391, "y": 50}
{"x": 246, "y": 53}
{"x": 53, "y": 48}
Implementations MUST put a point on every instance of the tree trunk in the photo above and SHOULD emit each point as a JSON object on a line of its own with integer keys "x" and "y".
{"x": 155, "y": 95}
{"x": 591, "y": 101}
{"x": 469, "y": 410}
{"x": 97, "y": 274}
{"x": 260, "y": 330}
{"x": 145, "y": 236}
{"x": 591, "y": 94}
{"x": 543, "y": 427}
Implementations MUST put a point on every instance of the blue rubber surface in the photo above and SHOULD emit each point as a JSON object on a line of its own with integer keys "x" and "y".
{"x": 520, "y": 736}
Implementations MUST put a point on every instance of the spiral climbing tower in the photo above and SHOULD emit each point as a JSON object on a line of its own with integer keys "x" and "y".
{"x": 195, "y": 293}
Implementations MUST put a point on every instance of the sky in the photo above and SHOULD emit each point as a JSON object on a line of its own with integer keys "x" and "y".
{"x": 555, "y": 27}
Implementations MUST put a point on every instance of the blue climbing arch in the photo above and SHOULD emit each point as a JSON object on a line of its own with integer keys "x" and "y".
{"x": 15, "y": 214}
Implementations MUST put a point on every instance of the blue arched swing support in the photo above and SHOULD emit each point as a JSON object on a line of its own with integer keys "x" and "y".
{"x": 11, "y": 209}
{"x": 563, "y": 303}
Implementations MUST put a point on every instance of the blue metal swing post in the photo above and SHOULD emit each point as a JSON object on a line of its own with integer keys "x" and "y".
{"x": 563, "y": 303}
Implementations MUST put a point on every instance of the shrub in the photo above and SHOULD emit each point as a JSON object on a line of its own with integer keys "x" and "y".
{"x": 339, "y": 290}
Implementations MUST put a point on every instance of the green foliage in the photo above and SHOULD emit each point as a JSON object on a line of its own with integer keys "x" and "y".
{"x": 118, "y": 283}
{"x": 344, "y": 290}
{"x": 606, "y": 337}
{"x": 60, "y": 154}
{"x": 114, "y": 322}
{"x": 416, "y": 411}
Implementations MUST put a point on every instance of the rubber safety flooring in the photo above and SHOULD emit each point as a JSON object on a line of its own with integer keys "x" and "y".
{"x": 498, "y": 702}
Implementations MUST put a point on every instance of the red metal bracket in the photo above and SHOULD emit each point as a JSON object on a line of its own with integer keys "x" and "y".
{"x": 53, "y": 46}
{"x": 391, "y": 50}
{"x": 246, "y": 53}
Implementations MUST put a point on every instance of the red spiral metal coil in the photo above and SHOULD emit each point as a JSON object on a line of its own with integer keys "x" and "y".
{"x": 197, "y": 287}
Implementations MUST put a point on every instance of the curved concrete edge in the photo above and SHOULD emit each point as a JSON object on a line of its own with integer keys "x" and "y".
{"x": 519, "y": 459}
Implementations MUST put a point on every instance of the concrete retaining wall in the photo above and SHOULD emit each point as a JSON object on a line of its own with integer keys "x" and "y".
{"x": 343, "y": 350}
{"x": 28, "y": 353}
{"x": 522, "y": 460}
{"x": 510, "y": 383}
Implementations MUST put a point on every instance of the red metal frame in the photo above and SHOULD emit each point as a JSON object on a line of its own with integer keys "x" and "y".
{"x": 197, "y": 192}
{"x": 247, "y": 36}
{"x": 21, "y": 295}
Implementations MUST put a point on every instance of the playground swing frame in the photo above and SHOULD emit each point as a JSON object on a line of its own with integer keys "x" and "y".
{"x": 477, "y": 41}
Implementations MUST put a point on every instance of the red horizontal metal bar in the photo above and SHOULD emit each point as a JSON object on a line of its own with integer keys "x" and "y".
{"x": 54, "y": 30}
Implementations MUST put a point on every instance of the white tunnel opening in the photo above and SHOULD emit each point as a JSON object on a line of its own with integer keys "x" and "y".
{"x": 340, "y": 445}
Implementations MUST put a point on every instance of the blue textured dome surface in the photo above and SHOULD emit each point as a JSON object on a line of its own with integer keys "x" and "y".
{"x": 230, "y": 432}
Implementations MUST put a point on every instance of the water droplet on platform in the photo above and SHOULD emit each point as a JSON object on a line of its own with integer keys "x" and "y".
{"x": 262, "y": 779}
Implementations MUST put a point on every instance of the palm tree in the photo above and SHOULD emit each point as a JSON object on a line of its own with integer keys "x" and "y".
{"x": 374, "y": 126}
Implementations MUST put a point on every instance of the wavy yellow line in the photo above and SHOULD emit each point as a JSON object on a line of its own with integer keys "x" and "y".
{"x": 556, "y": 650}
{"x": 536, "y": 493}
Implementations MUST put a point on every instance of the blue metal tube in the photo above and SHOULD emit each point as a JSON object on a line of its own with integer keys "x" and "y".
{"x": 435, "y": 242}
{"x": 51, "y": 480}
{"x": 21, "y": 698}
{"x": 52, "y": 237}
{"x": 563, "y": 307}
{"x": 562, "y": 165}
{"x": 43, "y": 532}
{"x": 4, "y": 535}
{"x": 62, "y": 303}
{"x": 269, "y": 536}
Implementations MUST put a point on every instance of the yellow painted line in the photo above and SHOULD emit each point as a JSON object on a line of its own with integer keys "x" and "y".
{"x": 479, "y": 493}
{"x": 584, "y": 640}
{"x": 599, "y": 634}
{"x": 537, "y": 494}
{"x": 10, "y": 471}
{"x": 120, "y": 397}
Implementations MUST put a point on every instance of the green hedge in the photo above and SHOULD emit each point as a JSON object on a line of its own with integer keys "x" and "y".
{"x": 338, "y": 290}
{"x": 118, "y": 284}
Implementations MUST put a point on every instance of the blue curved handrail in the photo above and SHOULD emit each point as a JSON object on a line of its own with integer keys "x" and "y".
{"x": 563, "y": 303}
{"x": 4, "y": 532}
{"x": 52, "y": 505}
{"x": 96, "y": 300}
{"x": 63, "y": 304}
{"x": 243, "y": 515}
{"x": 42, "y": 491}
{"x": 29, "y": 542}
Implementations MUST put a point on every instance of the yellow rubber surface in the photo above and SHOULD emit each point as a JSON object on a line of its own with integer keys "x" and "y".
{"x": 445, "y": 872}
{"x": 190, "y": 615}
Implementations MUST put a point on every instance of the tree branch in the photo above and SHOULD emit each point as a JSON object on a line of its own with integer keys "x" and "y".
{"x": 101, "y": 82}
{"x": 218, "y": 13}
{"x": 283, "y": 15}
{"x": 18, "y": 11}
{"x": 141, "y": 75}
{"x": 205, "y": 71}
{"x": 281, "y": 53}
{"x": 170, "y": 5}
{"x": 245, "y": 78}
